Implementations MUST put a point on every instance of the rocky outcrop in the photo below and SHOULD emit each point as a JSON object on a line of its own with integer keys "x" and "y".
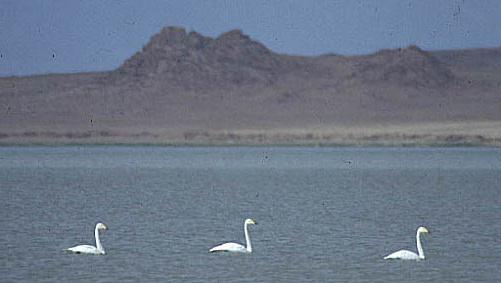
{"x": 182, "y": 83}
{"x": 190, "y": 59}
{"x": 408, "y": 67}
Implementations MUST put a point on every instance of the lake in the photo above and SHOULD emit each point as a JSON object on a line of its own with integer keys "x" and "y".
{"x": 324, "y": 214}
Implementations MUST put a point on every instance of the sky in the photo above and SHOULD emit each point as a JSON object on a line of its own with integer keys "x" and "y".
{"x": 59, "y": 36}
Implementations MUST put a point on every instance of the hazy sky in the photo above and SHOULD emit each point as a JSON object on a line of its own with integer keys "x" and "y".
{"x": 41, "y": 36}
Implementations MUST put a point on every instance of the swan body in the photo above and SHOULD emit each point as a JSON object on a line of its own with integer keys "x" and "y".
{"x": 230, "y": 247}
{"x": 234, "y": 247}
{"x": 403, "y": 254}
{"x": 408, "y": 255}
{"x": 88, "y": 249}
{"x": 85, "y": 249}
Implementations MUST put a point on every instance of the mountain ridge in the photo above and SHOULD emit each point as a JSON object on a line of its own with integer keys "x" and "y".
{"x": 186, "y": 87}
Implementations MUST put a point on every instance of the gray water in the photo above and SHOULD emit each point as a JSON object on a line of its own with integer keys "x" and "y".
{"x": 324, "y": 214}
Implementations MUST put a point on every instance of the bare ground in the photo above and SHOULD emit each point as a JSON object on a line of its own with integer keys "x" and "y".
{"x": 184, "y": 88}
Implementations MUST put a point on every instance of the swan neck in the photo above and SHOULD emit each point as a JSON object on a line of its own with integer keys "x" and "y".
{"x": 247, "y": 239}
{"x": 419, "y": 247}
{"x": 98, "y": 242}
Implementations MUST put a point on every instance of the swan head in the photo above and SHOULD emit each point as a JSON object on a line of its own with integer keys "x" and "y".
{"x": 423, "y": 230}
{"x": 250, "y": 221}
{"x": 101, "y": 226}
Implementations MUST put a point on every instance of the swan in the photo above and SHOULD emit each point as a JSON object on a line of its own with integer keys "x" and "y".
{"x": 87, "y": 249}
{"x": 408, "y": 255}
{"x": 234, "y": 247}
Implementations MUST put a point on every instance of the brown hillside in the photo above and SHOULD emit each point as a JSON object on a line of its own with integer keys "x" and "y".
{"x": 179, "y": 57}
{"x": 187, "y": 88}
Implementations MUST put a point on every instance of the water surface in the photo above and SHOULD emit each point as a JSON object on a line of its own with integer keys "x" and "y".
{"x": 324, "y": 214}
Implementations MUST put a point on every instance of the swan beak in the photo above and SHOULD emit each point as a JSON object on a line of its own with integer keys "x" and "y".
{"x": 255, "y": 222}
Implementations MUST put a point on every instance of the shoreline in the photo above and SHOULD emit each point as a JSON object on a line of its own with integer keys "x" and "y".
{"x": 480, "y": 133}
{"x": 6, "y": 145}
{"x": 236, "y": 140}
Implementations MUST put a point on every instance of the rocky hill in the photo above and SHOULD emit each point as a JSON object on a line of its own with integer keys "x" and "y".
{"x": 183, "y": 87}
{"x": 177, "y": 56}
{"x": 408, "y": 67}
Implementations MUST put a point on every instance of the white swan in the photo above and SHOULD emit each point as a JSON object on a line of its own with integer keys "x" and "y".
{"x": 87, "y": 249}
{"x": 234, "y": 247}
{"x": 408, "y": 255}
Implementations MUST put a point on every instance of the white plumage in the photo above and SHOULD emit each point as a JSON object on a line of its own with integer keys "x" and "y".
{"x": 234, "y": 247}
{"x": 408, "y": 255}
{"x": 88, "y": 249}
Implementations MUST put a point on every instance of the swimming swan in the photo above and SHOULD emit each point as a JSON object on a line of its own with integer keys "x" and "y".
{"x": 234, "y": 247}
{"x": 87, "y": 249}
{"x": 408, "y": 255}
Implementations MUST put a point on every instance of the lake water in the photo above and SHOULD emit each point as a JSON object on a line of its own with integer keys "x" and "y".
{"x": 324, "y": 214}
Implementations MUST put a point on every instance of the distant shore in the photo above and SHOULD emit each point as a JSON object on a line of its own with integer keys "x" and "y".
{"x": 433, "y": 134}
{"x": 184, "y": 88}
